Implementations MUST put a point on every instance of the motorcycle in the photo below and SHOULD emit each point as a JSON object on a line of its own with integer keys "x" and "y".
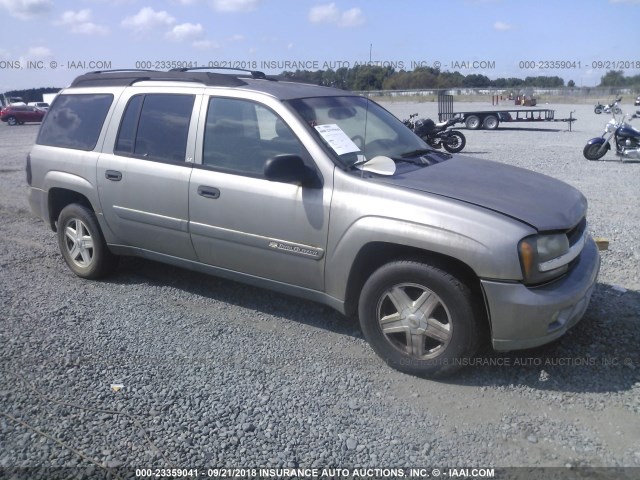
{"x": 600, "y": 108}
{"x": 626, "y": 139}
{"x": 438, "y": 135}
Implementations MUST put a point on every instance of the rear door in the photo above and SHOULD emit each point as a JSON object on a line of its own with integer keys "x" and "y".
{"x": 33, "y": 114}
{"x": 23, "y": 113}
{"x": 144, "y": 170}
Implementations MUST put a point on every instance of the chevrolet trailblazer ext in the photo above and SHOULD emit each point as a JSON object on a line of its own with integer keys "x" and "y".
{"x": 318, "y": 193}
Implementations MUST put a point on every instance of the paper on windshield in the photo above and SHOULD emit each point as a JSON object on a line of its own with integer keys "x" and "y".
{"x": 337, "y": 139}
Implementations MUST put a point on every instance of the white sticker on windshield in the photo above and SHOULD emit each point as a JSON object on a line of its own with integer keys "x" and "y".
{"x": 337, "y": 139}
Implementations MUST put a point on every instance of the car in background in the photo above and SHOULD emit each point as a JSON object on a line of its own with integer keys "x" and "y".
{"x": 20, "y": 114}
{"x": 40, "y": 105}
{"x": 637, "y": 102}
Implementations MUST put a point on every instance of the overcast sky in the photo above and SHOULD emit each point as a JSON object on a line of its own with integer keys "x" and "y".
{"x": 49, "y": 42}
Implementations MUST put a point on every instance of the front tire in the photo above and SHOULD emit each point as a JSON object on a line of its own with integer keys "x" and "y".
{"x": 82, "y": 244}
{"x": 472, "y": 122}
{"x": 455, "y": 143}
{"x": 418, "y": 318}
{"x": 598, "y": 110}
{"x": 592, "y": 151}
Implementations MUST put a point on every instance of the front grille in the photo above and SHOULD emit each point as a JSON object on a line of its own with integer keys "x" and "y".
{"x": 576, "y": 237}
{"x": 575, "y": 234}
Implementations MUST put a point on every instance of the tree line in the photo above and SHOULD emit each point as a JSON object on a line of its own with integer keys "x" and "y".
{"x": 616, "y": 78}
{"x": 365, "y": 77}
{"x": 31, "y": 94}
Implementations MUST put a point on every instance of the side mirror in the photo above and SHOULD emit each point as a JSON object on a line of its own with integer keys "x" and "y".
{"x": 291, "y": 169}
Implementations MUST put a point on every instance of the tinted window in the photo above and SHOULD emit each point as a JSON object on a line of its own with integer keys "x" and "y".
{"x": 129, "y": 125}
{"x": 241, "y": 135}
{"x": 75, "y": 121}
{"x": 156, "y": 127}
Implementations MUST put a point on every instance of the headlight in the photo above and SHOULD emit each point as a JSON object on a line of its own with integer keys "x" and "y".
{"x": 540, "y": 257}
{"x": 551, "y": 246}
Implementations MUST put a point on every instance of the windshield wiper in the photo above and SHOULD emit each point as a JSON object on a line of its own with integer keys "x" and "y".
{"x": 423, "y": 151}
{"x": 415, "y": 160}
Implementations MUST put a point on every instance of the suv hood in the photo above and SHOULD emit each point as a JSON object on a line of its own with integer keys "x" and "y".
{"x": 538, "y": 200}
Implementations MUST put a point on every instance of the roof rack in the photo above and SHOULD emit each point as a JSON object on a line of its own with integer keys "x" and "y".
{"x": 254, "y": 73}
{"x": 126, "y": 77}
{"x": 124, "y": 70}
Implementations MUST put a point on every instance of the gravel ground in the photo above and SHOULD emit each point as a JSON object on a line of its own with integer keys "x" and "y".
{"x": 220, "y": 374}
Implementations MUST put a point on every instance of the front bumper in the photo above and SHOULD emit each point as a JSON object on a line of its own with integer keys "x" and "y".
{"x": 523, "y": 317}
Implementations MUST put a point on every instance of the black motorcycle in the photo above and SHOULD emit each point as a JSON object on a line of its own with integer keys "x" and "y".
{"x": 626, "y": 139}
{"x": 438, "y": 135}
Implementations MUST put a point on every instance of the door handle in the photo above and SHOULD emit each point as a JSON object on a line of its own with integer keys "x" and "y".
{"x": 113, "y": 175}
{"x": 208, "y": 192}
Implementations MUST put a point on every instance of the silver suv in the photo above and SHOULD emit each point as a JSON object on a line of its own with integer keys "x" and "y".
{"x": 318, "y": 193}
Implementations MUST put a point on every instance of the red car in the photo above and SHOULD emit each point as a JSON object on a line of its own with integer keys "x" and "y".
{"x": 19, "y": 114}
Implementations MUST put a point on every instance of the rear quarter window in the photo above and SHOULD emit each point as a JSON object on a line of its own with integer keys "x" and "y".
{"x": 75, "y": 121}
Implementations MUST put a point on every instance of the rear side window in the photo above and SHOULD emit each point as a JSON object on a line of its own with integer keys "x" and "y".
{"x": 75, "y": 121}
{"x": 156, "y": 127}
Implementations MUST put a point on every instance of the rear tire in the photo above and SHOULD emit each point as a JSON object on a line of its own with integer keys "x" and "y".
{"x": 82, "y": 244}
{"x": 490, "y": 122}
{"x": 455, "y": 143}
{"x": 592, "y": 151}
{"x": 418, "y": 318}
{"x": 12, "y": 121}
{"x": 598, "y": 110}
{"x": 472, "y": 122}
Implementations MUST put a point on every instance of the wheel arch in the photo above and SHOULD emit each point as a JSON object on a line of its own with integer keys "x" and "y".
{"x": 63, "y": 188}
{"x": 373, "y": 255}
{"x": 58, "y": 198}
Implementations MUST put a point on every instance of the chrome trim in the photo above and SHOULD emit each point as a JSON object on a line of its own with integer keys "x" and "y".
{"x": 151, "y": 218}
{"x": 562, "y": 260}
{"x": 296, "y": 249}
{"x": 258, "y": 241}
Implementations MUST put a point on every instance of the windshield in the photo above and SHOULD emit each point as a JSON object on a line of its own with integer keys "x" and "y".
{"x": 357, "y": 129}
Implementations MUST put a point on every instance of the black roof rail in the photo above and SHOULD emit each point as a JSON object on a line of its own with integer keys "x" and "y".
{"x": 257, "y": 74}
{"x": 124, "y": 70}
{"x": 125, "y": 77}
